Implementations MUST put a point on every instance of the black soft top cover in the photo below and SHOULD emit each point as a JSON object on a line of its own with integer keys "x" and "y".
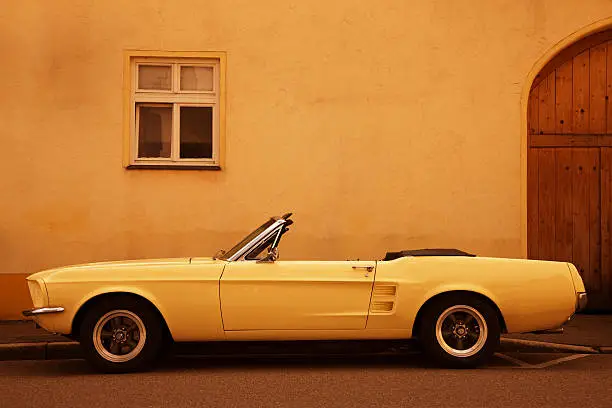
{"x": 426, "y": 252}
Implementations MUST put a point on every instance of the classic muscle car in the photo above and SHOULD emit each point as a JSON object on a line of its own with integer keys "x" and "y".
{"x": 455, "y": 304}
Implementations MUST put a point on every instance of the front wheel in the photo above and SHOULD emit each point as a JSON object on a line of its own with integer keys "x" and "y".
{"x": 460, "y": 331}
{"x": 121, "y": 335}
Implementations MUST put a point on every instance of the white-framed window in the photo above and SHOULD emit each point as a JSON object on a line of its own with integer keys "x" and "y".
{"x": 174, "y": 112}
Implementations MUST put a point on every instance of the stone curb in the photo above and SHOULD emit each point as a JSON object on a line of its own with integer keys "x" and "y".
{"x": 40, "y": 351}
{"x": 22, "y": 351}
{"x": 63, "y": 350}
{"x": 531, "y": 346}
{"x": 72, "y": 350}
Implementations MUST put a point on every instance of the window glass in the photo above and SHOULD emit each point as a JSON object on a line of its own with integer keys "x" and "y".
{"x": 261, "y": 251}
{"x": 175, "y": 111}
{"x": 248, "y": 239}
{"x": 154, "y": 130}
{"x": 196, "y": 78}
{"x": 196, "y": 132}
{"x": 155, "y": 77}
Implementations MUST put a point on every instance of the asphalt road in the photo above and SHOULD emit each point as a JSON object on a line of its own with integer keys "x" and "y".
{"x": 517, "y": 380}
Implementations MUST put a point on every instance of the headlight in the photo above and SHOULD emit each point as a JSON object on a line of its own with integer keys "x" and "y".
{"x": 38, "y": 293}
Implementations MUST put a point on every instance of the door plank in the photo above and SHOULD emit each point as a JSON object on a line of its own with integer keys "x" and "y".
{"x": 546, "y": 204}
{"x": 597, "y": 67}
{"x": 581, "y": 92}
{"x": 609, "y": 88}
{"x": 564, "y": 232}
{"x": 606, "y": 220}
{"x": 570, "y": 140}
{"x": 546, "y": 108}
{"x": 580, "y": 213}
{"x": 592, "y": 173}
{"x": 564, "y": 91}
{"x": 532, "y": 203}
{"x": 532, "y": 112}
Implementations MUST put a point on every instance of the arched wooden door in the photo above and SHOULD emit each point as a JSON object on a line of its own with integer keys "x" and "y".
{"x": 569, "y": 164}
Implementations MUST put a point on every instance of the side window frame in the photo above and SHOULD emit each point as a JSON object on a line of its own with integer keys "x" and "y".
{"x": 275, "y": 236}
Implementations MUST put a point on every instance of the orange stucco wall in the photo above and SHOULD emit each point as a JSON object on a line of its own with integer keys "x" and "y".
{"x": 382, "y": 126}
{"x": 14, "y": 296}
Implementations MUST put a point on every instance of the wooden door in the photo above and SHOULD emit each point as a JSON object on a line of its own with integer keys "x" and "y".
{"x": 569, "y": 164}
{"x": 606, "y": 222}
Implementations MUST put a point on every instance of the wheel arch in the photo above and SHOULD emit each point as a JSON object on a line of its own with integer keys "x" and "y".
{"x": 85, "y": 306}
{"x": 418, "y": 319}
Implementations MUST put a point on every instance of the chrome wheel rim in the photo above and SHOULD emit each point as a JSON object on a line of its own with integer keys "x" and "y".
{"x": 119, "y": 336}
{"x": 461, "y": 331}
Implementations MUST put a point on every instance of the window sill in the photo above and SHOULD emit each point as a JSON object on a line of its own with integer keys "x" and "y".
{"x": 142, "y": 166}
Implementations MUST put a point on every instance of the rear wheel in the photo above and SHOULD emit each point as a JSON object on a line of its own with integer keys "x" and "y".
{"x": 460, "y": 331}
{"x": 121, "y": 335}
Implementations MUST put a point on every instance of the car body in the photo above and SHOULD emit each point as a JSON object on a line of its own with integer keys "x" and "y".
{"x": 243, "y": 295}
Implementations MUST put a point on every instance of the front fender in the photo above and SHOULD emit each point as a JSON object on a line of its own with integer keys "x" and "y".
{"x": 118, "y": 289}
{"x": 62, "y": 322}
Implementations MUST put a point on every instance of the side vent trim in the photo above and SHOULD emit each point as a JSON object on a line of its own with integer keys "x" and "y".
{"x": 383, "y": 298}
{"x": 385, "y": 290}
{"x": 384, "y": 307}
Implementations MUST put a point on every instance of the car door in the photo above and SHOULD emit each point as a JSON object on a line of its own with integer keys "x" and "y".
{"x": 296, "y": 295}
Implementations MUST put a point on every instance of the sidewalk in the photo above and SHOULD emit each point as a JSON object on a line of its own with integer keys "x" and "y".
{"x": 21, "y": 340}
{"x": 584, "y": 329}
{"x": 25, "y": 331}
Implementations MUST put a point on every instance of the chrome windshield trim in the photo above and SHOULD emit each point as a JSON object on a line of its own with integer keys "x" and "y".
{"x": 42, "y": 310}
{"x": 265, "y": 234}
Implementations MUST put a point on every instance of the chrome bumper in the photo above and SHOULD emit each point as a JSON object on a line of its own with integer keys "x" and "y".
{"x": 581, "y": 301}
{"x": 42, "y": 310}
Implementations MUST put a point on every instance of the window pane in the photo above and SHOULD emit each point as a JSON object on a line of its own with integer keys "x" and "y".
{"x": 155, "y": 77}
{"x": 196, "y": 132}
{"x": 154, "y": 131}
{"x": 196, "y": 78}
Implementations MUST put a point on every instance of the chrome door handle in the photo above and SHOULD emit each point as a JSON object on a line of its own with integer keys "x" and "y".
{"x": 368, "y": 268}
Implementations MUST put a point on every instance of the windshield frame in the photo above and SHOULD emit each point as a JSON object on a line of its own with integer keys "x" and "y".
{"x": 253, "y": 239}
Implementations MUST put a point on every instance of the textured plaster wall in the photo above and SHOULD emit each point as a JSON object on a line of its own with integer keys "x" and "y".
{"x": 381, "y": 125}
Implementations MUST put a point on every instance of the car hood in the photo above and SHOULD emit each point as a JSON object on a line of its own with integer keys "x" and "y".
{"x": 114, "y": 265}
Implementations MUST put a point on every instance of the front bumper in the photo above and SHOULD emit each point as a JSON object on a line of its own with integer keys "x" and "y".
{"x": 42, "y": 310}
{"x": 581, "y": 301}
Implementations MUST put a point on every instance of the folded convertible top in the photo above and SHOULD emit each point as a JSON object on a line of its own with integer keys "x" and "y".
{"x": 426, "y": 252}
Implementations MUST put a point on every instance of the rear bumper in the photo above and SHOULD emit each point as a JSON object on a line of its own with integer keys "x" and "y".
{"x": 581, "y": 301}
{"x": 42, "y": 310}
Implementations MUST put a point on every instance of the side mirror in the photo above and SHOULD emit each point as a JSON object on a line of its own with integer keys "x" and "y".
{"x": 271, "y": 257}
{"x": 219, "y": 254}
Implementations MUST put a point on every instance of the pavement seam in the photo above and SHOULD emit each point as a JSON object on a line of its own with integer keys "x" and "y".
{"x": 546, "y": 364}
{"x": 552, "y": 346}
{"x": 561, "y": 360}
{"x": 513, "y": 360}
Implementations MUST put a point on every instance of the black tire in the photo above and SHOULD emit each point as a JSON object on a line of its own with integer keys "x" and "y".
{"x": 127, "y": 309}
{"x": 449, "y": 354}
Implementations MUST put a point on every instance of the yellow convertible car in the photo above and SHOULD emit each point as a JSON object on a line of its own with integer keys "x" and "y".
{"x": 454, "y": 303}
